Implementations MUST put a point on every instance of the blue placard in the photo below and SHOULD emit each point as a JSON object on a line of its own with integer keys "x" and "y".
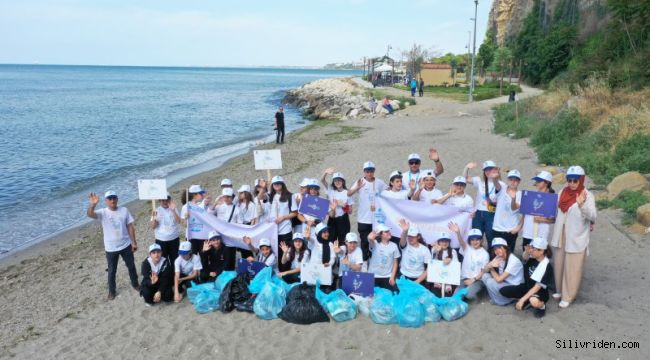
{"x": 538, "y": 204}
{"x": 250, "y": 268}
{"x": 314, "y": 206}
{"x": 358, "y": 283}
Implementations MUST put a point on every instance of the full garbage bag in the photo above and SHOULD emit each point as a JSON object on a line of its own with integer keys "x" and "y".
{"x": 409, "y": 310}
{"x": 302, "y": 306}
{"x": 381, "y": 308}
{"x": 338, "y": 304}
{"x": 270, "y": 301}
{"x": 453, "y": 308}
{"x": 235, "y": 292}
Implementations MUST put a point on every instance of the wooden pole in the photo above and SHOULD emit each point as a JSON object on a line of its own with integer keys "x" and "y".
{"x": 519, "y": 76}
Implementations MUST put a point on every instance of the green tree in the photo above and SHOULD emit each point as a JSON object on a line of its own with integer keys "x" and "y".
{"x": 486, "y": 50}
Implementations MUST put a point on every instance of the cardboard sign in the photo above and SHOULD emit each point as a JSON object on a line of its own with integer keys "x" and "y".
{"x": 152, "y": 189}
{"x": 250, "y": 268}
{"x": 267, "y": 159}
{"x": 438, "y": 272}
{"x": 538, "y": 204}
{"x": 314, "y": 206}
{"x": 358, "y": 283}
{"x": 310, "y": 272}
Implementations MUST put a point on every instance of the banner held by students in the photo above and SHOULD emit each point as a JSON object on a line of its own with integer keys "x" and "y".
{"x": 538, "y": 204}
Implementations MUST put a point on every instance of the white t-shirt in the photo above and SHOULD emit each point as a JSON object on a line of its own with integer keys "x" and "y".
{"x": 246, "y": 213}
{"x": 407, "y": 176}
{"x": 341, "y": 198}
{"x": 264, "y": 214}
{"x": 270, "y": 261}
{"x": 414, "y": 259}
{"x": 155, "y": 268}
{"x": 400, "y": 195}
{"x": 479, "y": 184}
{"x": 381, "y": 261}
{"x": 355, "y": 258}
{"x": 367, "y": 195}
{"x": 223, "y": 211}
{"x": 506, "y": 219}
{"x": 114, "y": 226}
{"x": 186, "y": 267}
{"x": 473, "y": 261}
{"x": 195, "y": 225}
{"x": 184, "y": 208}
{"x": 528, "y": 230}
{"x": 295, "y": 264}
{"x": 281, "y": 209}
{"x": 316, "y": 249}
{"x": 429, "y": 195}
{"x": 167, "y": 228}
{"x": 516, "y": 270}
{"x": 463, "y": 202}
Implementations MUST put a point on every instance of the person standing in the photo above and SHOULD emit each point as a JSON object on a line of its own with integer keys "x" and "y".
{"x": 198, "y": 202}
{"x": 164, "y": 222}
{"x": 414, "y": 86}
{"x": 414, "y": 162}
{"x": 507, "y": 219}
{"x": 486, "y": 197}
{"x": 279, "y": 126}
{"x": 421, "y": 87}
{"x": 119, "y": 237}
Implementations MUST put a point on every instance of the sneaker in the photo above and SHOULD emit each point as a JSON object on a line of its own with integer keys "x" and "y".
{"x": 557, "y": 296}
{"x": 539, "y": 313}
{"x": 564, "y": 304}
{"x": 110, "y": 296}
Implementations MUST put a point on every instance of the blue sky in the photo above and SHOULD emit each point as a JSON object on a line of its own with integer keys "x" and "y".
{"x": 229, "y": 33}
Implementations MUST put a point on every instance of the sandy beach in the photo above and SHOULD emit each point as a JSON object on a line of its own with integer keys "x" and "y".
{"x": 53, "y": 294}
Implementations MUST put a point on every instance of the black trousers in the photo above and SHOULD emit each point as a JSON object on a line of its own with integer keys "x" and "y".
{"x": 169, "y": 248}
{"x": 518, "y": 291}
{"x": 364, "y": 230}
{"x": 339, "y": 227}
{"x": 511, "y": 239}
{"x": 112, "y": 259}
{"x": 384, "y": 283}
{"x": 197, "y": 245}
{"x": 287, "y": 238}
{"x": 166, "y": 292}
{"x": 279, "y": 136}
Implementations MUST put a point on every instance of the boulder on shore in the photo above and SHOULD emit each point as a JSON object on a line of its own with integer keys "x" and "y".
{"x": 631, "y": 180}
{"x": 643, "y": 215}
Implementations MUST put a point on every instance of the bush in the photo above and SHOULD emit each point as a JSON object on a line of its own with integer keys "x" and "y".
{"x": 633, "y": 153}
{"x": 557, "y": 141}
{"x": 628, "y": 201}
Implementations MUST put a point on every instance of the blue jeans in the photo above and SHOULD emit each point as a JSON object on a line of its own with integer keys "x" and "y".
{"x": 112, "y": 259}
{"x": 483, "y": 221}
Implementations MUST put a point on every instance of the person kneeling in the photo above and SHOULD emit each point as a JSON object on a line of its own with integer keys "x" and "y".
{"x": 157, "y": 277}
{"x": 264, "y": 253}
{"x": 187, "y": 267}
{"x": 538, "y": 275}
{"x": 213, "y": 257}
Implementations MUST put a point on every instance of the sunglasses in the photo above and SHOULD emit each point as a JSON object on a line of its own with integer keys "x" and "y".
{"x": 369, "y": 170}
{"x": 414, "y": 163}
{"x": 111, "y": 197}
{"x": 572, "y": 181}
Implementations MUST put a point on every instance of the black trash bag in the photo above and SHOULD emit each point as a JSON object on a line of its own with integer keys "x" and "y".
{"x": 246, "y": 306}
{"x": 302, "y": 306}
{"x": 235, "y": 292}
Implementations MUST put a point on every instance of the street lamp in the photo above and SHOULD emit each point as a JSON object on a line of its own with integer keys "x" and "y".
{"x": 471, "y": 87}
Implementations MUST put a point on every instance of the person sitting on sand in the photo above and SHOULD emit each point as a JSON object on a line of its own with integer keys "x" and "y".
{"x": 119, "y": 237}
{"x": 474, "y": 260}
{"x": 157, "y": 277}
{"x": 384, "y": 260}
{"x": 505, "y": 269}
{"x": 263, "y": 253}
{"x": 538, "y": 276}
{"x": 442, "y": 251}
{"x": 213, "y": 257}
{"x": 187, "y": 268}
{"x": 386, "y": 105}
{"x": 296, "y": 255}
{"x": 415, "y": 254}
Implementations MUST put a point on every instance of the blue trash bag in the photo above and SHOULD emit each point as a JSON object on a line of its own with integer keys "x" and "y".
{"x": 260, "y": 279}
{"x": 381, "y": 308}
{"x": 424, "y": 296}
{"x": 287, "y": 287}
{"x": 223, "y": 279}
{"x": 409, "y": 310}
{"x": 207, "y": 301}
{"x": 197, "y": 289}
{"x": 453, "y": 308}
{"x": 337, "y": 304}
{"x": 270, "y": 301}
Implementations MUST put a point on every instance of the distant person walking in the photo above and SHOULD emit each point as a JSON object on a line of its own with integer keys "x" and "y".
{"x": 414, "y": 86}
{"x": 421, "y": 87}
{"x": 119, "y": 237}
{"x": 279, "y": 126}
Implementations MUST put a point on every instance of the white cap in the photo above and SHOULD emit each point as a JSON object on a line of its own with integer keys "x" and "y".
{"x": 154, "y": 247}
{"x": 382, "y": 227}
{"x": 444, "y": 236}
{"x": 227, "y": 192}
{"x": 539, "y": 243}
{"x": 257, "y": 182}
{"x": 195, "y": 189}
{"x": 489, "y": 164}
{"x": 264, "y": 242}
{"x": 109, "y": 193}
{"x": 368, "y": 165}
{"x": 277, "y": 179}
{"x": 304, "y": 182}
{"x": 320, "y": 227}
{"x": 428, "y": 173}
{"x": 575, "y": 171}
{"x": 475, "y": 233}
{"x": 499, "y": 242}
{"x": 244, "y": 188}
{"x": 414, "y": 156}
{"x": 169, "y": 196}
{"x": 395, "y": 173}
{"x": 459, "y": 179}
{"x": 185, "y": 248}
{"x": 298, "y": 236}
{"x": 213, "y": 234}
{"x": 544, "y": 176}
{"x": 351, "y": 237}
{"x": 514, "y": 173}
{"x": 338, "y": 175}
{"x": 413, "y": 231}
{"x": 226, "y": 182}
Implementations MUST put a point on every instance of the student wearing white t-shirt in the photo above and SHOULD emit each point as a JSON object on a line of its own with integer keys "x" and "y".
{"x": 198, "y": 202}
{"x": 415, "y": 254}
{"x": 226, "y": 210}
{"x": 426, "y": 190}
{"x": 337, "y": 192}
{"x": 505, "y": 269}
{"x": 507, "y": 219}
{"x": 368, "y": 187}
{"x": 322, "y": 249}
{"x": 442, "y": 251}
{"x": 384, "y": 260}
{"x": 349, "y": 256}
{"x": 186, "y": 267}
{"x": 538, "y": 226}
{"x": 296, "y": 255}
{"x": 263, "y": 253}
{"x": 296, "y": 197}
{"x": 456, "y": 196}
{"x": 282, "y": 211}
{"x": 474, "y": 260}
{"x": 486, "y": 196}
{"x": 119, "y": 237}
{"x": 157, "y": 277}
{"x": 165, "y": 222}
{"x": 413, "y": 175}
{"x": 262, "y": 203}
{"x": 395, "y": 190}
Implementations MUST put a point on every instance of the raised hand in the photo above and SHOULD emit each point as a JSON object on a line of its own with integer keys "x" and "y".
{"x": 153, "y": 277}
{"x": 93, "y": 198}
{"x": 284, "y": 247}
{"x": 412, "y": 184}
{"x": 360, "y": 183}
{"x": 329, "y": 171}
{"x": 206, "y": 245}
{"x": 453, "y": 227}
{"x": 581, "y": 198}
{"x": 372, "y": 235}
{"x": 404, "y": 225}
{"x": 433, "y": 155}
{"x": 337, "y": 249}
{"x": 471, "y": 165}
{"x": 421, "y": 183}
{"x": 172, "y": 205}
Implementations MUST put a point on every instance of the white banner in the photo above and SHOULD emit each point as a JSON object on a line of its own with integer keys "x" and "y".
{"x": 202, "y": 222}
{"x": 432, "y": 220}
{"x": 311, "y": 272}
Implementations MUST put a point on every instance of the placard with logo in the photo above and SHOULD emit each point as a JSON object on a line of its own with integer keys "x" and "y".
{"x": 311, "y": 272}
{"x": 358, "y": 283}
{"x": 314, "y": 206}
{"x": 538, "y": 204}
{"x": 251, "y": 268}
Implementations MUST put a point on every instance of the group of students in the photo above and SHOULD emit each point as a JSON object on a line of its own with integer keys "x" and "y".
{"x": 173, "y": 265}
